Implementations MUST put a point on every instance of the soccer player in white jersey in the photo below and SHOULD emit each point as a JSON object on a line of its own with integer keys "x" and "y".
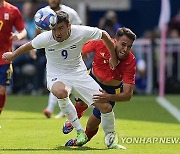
{"x": 74, "y": 20}
{"x": 66, "y": 71}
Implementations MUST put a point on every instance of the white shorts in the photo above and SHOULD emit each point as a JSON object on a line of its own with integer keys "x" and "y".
{"x": 82, "y": 85}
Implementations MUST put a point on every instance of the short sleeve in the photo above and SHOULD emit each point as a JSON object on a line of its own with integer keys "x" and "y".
{"x": 18, "y": 22}
{"x": 91, "y": 33}
{"x": 40, "y": 41}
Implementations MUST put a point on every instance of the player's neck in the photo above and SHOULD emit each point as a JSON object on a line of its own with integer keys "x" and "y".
{"x": 56, "y": 9}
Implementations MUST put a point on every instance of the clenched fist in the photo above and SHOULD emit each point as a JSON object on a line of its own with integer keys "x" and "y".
{"x": 8, "y": 56}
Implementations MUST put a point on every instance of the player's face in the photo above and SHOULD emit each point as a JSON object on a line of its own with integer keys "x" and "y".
{"x": 123, "y": 46}
{"x": 61, "y": 32}
{"x": 54, "y": 4}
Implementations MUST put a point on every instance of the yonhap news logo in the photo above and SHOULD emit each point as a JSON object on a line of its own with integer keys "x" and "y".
{"x": 150, "y": 140}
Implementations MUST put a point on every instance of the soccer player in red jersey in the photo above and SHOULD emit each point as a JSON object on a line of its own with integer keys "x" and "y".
{"x": 10, "y": 17}
{"x": 117, "y": 85}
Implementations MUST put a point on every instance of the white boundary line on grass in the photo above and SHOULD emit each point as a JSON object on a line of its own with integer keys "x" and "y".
{"x": 169, "y": 107}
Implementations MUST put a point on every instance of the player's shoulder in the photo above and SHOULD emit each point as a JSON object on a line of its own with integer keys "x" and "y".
{"x": 43, "y": 39}
{"x": 82, "y": 29}
{"x": 48, "y": 7}
{"x": 96, "y": 43}
{"x": 76, "y": 27}
{"x": 131, "y": 55}
{"x": 67, "y": 9}
{"x": 10, "y": 6}
{"x": 79, "y": 28}
{"x": 130, "y": 59}
{"x": 99, "y": 43}
{"x": 45, "y": 35}
{"x": 73, "y": 15}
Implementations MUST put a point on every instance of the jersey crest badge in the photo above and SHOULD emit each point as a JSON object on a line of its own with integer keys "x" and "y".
{"x": 6, "y": 16}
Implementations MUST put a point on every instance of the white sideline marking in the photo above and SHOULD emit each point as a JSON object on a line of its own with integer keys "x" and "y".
{"x": 169, "y": 107}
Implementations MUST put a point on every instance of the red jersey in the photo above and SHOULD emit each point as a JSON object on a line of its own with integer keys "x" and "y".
{"x": 10, "y": 17}
{"x": 125, "y": 71}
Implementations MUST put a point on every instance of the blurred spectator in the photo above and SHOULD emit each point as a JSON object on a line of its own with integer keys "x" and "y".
{"x": 172, "y": 56}
{"x": 148, "y": 34}
{"x": 29, "y": 10}
{"x": 40, "y": 76}
{"x": 174, "y": 26}
{"x": 24, "y": 65}
{"x": 110, "y": 23}
{"x": 141, "y": 79}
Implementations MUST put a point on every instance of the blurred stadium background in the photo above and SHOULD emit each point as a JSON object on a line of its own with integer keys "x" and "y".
{"x": 142, "y": 16}
{"x": 152, "y": 107}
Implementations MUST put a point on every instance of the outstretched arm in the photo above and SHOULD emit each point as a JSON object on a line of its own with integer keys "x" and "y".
{"x": 124, "y": 96}
{"x": 9, "y": 56}
{"x": 110, "y": 45}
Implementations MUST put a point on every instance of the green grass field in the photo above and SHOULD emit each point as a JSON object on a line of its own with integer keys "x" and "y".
{"x": 24, "y": 129}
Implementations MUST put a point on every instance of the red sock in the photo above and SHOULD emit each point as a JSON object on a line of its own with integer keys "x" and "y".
{"x": 80, "y": 109}
{"x": 2, "y": 102}
{"x": 90, "y": 134}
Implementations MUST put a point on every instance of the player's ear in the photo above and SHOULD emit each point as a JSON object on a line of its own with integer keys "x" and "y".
{"x": 69, "y": 26}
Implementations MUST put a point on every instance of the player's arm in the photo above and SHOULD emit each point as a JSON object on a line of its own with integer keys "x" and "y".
{"x": 110, "y": 45}
{"x": 38, "y": 42}
{"x": 124, "y": 96}
{"x": 128, "y": 86}
{"x": 9, "y": 56}
{"x": 22, "y": 34}
{"x": 19, "y": 26}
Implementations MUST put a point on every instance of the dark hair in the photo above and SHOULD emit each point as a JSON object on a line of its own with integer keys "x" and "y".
{"x": 62, "y": 16}
{"x": 125, "y": 31}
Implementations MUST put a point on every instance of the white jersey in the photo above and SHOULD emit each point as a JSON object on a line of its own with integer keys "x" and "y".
{"x": 64, "y": 58}
{"x": 73, "y": 15}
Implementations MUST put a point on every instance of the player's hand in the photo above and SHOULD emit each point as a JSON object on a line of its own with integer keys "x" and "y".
{"x": 14, "y": 37}
{"x": 8, "y": 56}
{"x": 104, "y": 97}
{"x": 32, "y": 54}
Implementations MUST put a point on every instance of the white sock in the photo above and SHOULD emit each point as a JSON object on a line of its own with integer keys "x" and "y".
{"x": 51, "y": 102}
{"x": 108, "y": 122}
{"x": 69, "y": 111}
